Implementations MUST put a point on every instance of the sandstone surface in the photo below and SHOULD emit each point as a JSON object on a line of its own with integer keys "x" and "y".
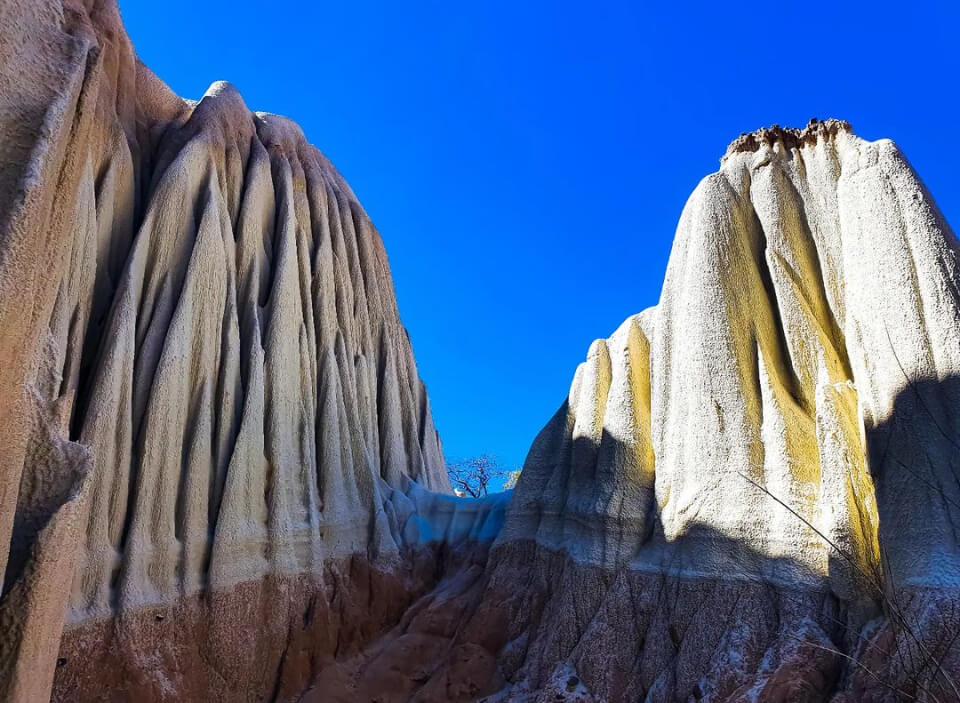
{"x": 751, "y": 491}
{"x": 219, "y": 473}
{"x": 208, "y": 401}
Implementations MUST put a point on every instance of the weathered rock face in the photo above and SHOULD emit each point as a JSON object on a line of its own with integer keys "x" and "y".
{"x": 750, "y": 493}
{"x": 219, "y": 474}
{"x": 757, "y": 479}
{"x": 209, "y": 405}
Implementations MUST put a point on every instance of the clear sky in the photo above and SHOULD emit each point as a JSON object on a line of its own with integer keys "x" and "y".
{"x": 526, "y": 161}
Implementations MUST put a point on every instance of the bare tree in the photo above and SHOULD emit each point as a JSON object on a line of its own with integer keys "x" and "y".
{"x": 473, "y": 477}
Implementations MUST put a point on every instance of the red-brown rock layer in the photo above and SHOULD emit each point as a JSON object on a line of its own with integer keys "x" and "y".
{"x": 205, "y": 380}
{"x": 219, "y": 473}
{"x": 257, "y": 641}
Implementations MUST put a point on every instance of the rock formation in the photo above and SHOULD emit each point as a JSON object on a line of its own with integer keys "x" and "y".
{"x": 219, "y": 473}
{"x": 752, "y": 490}
{"x": 210, "y": 408}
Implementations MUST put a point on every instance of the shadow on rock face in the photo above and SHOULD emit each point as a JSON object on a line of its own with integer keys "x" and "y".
{"x": 584, "y": 597}
{"x": 915, "y": 462}
{"x": 531, "y": 624}
{"x": 635, "y": 614}
{"x": 667, "y": 634}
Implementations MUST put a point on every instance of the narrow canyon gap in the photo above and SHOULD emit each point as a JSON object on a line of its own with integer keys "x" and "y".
{"x": 220, "y": 477}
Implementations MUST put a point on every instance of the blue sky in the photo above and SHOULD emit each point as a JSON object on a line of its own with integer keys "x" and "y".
{"x": 526, "y": 162}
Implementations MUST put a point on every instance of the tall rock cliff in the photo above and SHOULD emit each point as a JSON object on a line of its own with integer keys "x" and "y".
{"x": 220, "y": 479}
{"x": 207, "y": 399}
{"x": 752, "y": 490}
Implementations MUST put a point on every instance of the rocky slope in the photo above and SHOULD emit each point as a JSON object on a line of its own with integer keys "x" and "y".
{"x": 211, "y": 413}
{"x": 219, "y": 474}
{"x": 752, "y": 490}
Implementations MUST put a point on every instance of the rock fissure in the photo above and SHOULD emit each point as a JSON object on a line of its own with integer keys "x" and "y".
{"x": 220, "y": 477}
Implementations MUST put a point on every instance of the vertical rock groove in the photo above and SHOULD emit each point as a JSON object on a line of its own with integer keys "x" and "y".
{"x": 220, "y": 478}
{"x": 211, "y": 319}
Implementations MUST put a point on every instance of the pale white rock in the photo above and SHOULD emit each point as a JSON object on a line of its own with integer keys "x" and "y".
{"x": 795, "y": 389}
{"x": 218, "y": 463}
{"x": 205, "y": 379}
{"x": 751, "y": 490}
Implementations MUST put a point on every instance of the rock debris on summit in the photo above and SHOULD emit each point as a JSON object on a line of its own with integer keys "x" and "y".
{"x": 220, "y": 478}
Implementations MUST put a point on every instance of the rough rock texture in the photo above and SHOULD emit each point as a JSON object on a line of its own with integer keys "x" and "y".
{"x": 752, "y": 491}
{"x": 219, "y": 474}
{"x": 208, "y": 403}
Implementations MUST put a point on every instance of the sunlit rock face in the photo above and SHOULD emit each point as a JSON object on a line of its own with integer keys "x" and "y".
{"x": 787, "y": 415}
{"x": 211, "y": 422}
{"x": 219, "y": 474}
